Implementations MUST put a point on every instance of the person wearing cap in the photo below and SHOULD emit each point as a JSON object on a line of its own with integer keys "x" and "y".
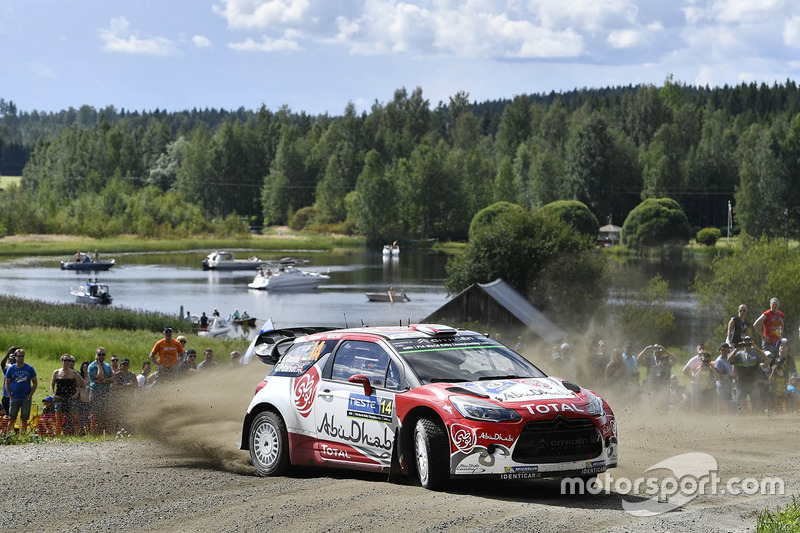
{"x": 724, "y": 383}
{"x": 125, "y": 379}
{"x": 20, "y": 384}
{"x": 46, "y": 426}
{"x": 166, "y": 353}
{"x": 746, "y": 363}
{"x": 771, "y": 322}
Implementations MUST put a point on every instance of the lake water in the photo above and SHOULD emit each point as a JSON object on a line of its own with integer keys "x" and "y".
{"x": 167, "y": 282}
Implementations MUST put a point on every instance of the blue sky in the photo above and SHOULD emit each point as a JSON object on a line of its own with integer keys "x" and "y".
{"x": 318, "y": 55}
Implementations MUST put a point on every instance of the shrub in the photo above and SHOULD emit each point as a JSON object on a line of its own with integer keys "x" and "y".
{"x": 574, "y": 213}
{"x": 656, "y": 222}
{"x": 708, "y": 236}
{"x": 486, "y": 216}
{"x": 302, "y": 218}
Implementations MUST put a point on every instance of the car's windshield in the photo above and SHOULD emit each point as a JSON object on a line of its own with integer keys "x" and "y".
{"x": 463, "y": 358}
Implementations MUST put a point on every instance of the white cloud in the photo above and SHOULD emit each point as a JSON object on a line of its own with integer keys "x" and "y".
{"x": 746, "y": 11}
{"x": 791, "y": 32}
{"x": 200, "y": 41}
{"x": 584, "y": 14}
{"x": 255, "y": 14}
{"x": 632, "y": 38}
{"x": 266, "y": 45}
{"x": 119, "y": 38}
{"x": 42, "y": 70}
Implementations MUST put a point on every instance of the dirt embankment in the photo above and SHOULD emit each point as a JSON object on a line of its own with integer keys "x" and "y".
{"x": 189, "y": 476}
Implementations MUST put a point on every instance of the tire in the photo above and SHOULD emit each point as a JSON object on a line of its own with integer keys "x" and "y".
{"x": 269, "y": 444}
{"x": 432, "y": 454}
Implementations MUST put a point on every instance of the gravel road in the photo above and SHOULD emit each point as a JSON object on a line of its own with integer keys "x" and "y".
{"x": 187, "y": 475}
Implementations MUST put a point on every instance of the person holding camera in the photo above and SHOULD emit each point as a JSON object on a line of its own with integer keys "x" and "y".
{"x": 746, "y": 363}
{"x": 659, "y": 364}
{"x": 704, "y": 383}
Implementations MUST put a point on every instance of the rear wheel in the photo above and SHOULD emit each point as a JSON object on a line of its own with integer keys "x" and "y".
{"x": 432, "y": 454}
{"x": 269, "y": 444}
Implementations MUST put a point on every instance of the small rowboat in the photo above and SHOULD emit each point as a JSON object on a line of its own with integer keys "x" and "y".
{"x": 388, "y": 296}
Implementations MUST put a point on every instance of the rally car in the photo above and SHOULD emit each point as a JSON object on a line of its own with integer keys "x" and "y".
{"x": 424, "y": 400}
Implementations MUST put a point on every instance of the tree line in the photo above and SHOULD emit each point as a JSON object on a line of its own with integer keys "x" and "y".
{"x": 404, "y": 168}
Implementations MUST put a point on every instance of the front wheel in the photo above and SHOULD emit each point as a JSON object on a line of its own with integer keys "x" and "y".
{"x": 432, "y": 454}
{"x": 269, "y": 444}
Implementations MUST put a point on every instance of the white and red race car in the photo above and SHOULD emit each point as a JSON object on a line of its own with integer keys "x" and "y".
{"x": 424, "y": 400}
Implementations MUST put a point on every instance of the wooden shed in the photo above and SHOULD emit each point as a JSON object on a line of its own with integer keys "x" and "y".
{"x": 499, "y": 308}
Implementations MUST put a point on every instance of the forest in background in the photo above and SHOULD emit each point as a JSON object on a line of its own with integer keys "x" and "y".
{"x": 405, "y": 169}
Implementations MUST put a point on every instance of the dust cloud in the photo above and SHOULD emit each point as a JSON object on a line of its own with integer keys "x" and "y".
{"x": 200, "y": 414}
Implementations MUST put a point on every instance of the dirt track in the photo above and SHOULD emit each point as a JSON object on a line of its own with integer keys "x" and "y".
{"x": 189, "y": 476}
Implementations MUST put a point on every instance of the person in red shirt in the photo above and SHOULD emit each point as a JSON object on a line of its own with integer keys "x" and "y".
{"x": 772, "y": 324}
{"x": 167, "y": 353}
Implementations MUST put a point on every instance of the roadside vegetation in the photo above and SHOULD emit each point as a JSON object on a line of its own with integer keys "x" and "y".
{"x": 781, "y": 520}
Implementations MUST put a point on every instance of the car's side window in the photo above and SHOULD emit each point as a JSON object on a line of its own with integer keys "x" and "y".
{"x": 368, "y": 359}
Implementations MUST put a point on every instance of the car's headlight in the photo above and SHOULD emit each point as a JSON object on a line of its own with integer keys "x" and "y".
{"x": 595, "y": 405}
{"x": 481, "y": 410}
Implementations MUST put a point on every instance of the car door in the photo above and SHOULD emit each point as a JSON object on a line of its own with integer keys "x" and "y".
{"x": 356, "y": 426}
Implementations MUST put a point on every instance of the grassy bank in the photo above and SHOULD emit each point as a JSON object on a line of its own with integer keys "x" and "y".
{"x": 274, "y": 239}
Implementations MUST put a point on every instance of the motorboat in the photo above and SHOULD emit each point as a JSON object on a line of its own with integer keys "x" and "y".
{"x": 225, "y": 261}
{"x": 391, "y": 296}
{"x": 218, "y": 327}
{"x": 92, "y": 292}
{"x": 84, "y": 261}
{"x": 391, "y": 249}
{"x": 287, "y": 279}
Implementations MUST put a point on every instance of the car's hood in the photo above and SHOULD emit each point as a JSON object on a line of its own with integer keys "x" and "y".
{"x": 519, "y": 390}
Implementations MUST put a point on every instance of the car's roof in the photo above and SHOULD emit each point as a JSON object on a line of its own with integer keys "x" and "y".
{"x": 412, "y": 331}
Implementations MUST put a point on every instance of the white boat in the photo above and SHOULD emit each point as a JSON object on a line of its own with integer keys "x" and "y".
{"x": 287, "y": 279}
{"x": 92, "y": 293}
{"x": 391, "y": 249}
{"x": 225, "y": 261}
{"x": 218, "y": 328}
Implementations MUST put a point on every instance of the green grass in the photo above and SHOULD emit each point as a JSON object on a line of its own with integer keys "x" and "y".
{"x": 67, "y": 245}
{"x": 7, "y": 181}
{"x": 780, "y": 520}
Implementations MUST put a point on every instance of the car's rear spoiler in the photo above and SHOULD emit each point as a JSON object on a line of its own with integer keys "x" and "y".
{"x": 265, "y": 345}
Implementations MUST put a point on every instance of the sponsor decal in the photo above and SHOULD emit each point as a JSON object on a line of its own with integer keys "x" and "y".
{"x": 357, "y": 432}
{"x": 304, "y": 388}
{"x": 537, "y": 383}
{"x": 512, "y": 469}
{"x": 370, "y": 408}
{"x": 469, "y": 468}
{"x": 496, "y": 437}
{"x": 597, "y": 470}
{"x": 590, "y": 464}
{"x": 521, "y": 475}
{"x": 544, "y": 408}
{"x": 463, "y": 437}
{"x": 493, "y": 387}
{"x": 335, "y": 453}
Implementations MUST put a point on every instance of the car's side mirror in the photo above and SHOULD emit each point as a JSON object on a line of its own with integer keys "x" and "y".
{"x": 364, "y": 380}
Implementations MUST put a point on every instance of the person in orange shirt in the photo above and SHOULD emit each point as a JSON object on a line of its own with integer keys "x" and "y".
{"x": 166, "y": 353}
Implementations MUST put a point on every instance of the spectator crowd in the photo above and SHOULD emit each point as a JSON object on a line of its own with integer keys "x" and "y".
{"x": 85, "y": 401}
{"x": 738, "y": 375}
